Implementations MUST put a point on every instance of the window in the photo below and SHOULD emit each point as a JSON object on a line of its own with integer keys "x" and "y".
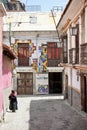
{"x": 23, "y": 54}
{"x": 54, "y": 54}
{"x": 33, "y": 19}
{"x": 65, "y": 49}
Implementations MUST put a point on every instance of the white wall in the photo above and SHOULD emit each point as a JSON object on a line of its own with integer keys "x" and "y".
{"x": 86, "y": 25}
{"x": 75, "y": 80}
{"x": 72, "y": 81}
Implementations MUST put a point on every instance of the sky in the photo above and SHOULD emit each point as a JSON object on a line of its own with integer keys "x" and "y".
{"x": 46, "y": 5}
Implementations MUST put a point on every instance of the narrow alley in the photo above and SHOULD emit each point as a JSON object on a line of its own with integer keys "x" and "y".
{"x": 44, "y": 113}
{"x": 43, "y": 61}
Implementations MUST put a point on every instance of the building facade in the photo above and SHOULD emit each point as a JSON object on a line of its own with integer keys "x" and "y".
{"x": 2, "y": 13}
{"x": 7, "y": 61}
{"x": 35, "y": 41}
{"x": 6, "y": 57}
{"x": 73, "y": 31}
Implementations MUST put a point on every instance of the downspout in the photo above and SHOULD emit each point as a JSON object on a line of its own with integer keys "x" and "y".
{"x": 10, "y": 33}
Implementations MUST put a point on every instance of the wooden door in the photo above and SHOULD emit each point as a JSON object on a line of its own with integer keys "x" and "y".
{"x": 84, "y": 93}
{"x": 53, "y": 54}
{"x": 23, "y": 54}
{"x": 66, "y": 87}
{"x": 25, "y": 83}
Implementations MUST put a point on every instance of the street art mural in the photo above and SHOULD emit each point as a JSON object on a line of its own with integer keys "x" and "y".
{"x": 42, "y": 83}
{"x": 35, "y": 64}
{"x": 42, "y": 89}
{"x": 32, "y": 48}
{"x": 24, "y": 51}
{"x": 42, "y": 63}
{"x": 39, "y": 64}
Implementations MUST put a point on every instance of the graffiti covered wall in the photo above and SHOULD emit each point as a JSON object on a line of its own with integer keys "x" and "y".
{"x": 42, "y": 63}
{"x": 42, "y": 83}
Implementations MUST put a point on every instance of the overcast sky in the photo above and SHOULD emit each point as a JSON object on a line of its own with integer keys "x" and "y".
{"x": 46, "y": 5}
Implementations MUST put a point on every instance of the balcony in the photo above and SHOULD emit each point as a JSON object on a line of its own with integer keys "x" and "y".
{"x": 74, "y": 56}
{"x": 53, "y": 63}
{"x": 84, "y": 54}
{"x": 65, "y": 57}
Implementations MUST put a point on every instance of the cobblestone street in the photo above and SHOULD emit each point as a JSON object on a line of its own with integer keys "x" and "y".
{"x": 37, "y": 113}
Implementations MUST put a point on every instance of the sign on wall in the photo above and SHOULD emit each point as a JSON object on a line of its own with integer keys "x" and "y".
{"x": 42, "y": 83}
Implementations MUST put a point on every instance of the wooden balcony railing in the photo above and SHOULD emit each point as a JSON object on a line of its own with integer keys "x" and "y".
{"x": 65, "y": 57}
{"x": 83, "y": 54}
{"x": 72, "y": 53}
{"x": 74, "y": 56}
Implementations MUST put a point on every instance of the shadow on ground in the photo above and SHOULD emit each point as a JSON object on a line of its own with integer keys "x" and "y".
{"x": 54, "y": 115}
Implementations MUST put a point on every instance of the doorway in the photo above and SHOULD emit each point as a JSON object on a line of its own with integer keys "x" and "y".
{"x": 23, "y": 54}
{"x": 24, "y": 83}
{"x": 66, "y": 87}
{"x": 55, "y": 82}
{"x": 84, "y": 94}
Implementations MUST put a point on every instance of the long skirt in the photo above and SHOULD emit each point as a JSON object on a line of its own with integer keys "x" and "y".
{"x": 13, "y": 106}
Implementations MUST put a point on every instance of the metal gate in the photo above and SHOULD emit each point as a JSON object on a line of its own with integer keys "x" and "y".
{"x": 24, "y": 83}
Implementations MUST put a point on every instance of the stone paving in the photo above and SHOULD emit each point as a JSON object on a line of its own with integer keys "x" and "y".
{"x": 44, "y": 114}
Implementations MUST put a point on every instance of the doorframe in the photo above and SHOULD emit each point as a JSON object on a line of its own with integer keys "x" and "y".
{"x": 84, "y": 93}
{"x": 24, "y": 80}
{"x": 66, "y": 86}
{"x": 61, "y": 82}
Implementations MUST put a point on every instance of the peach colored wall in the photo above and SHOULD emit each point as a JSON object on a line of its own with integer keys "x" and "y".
{"x": 1, "y": 64}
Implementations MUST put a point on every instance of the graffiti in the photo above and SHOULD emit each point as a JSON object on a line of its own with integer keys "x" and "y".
{"x": 42, "y": 83}
{"x": 42, "y": 66}
{"x": 40, "y": 63}
{"x": 32, "y": 48}
{"x": 35, "y": 64}
{"x": 43, "y": 89}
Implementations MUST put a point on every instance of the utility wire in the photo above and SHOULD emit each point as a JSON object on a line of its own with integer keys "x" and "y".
{"x": 54, "y": 22}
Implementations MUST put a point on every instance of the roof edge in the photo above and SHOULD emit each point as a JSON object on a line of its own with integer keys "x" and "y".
{"x": 66, "y": 8}
{"x": 7, "y": 51}
{"x": 2, "y": 9}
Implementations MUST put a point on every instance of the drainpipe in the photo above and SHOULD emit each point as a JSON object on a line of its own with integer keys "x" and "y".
{"x": 71, "y": 89}
{"x": 3, "y": 112}
{"x": 10, "y": 33}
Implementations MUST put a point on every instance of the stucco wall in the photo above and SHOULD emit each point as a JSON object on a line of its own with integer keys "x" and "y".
{"x": 72, "y": 78}
{"x": 7, "y": 81}
{"x": 75, "y": 79}
{"x": 74, "y": 98}
{"x": 7, "y": 69}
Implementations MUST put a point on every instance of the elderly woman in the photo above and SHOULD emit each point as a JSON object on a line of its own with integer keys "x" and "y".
{"x": 13, "y": 101}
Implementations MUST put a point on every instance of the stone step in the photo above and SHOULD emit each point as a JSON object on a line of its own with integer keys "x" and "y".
{"x": 43, "y": 97}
